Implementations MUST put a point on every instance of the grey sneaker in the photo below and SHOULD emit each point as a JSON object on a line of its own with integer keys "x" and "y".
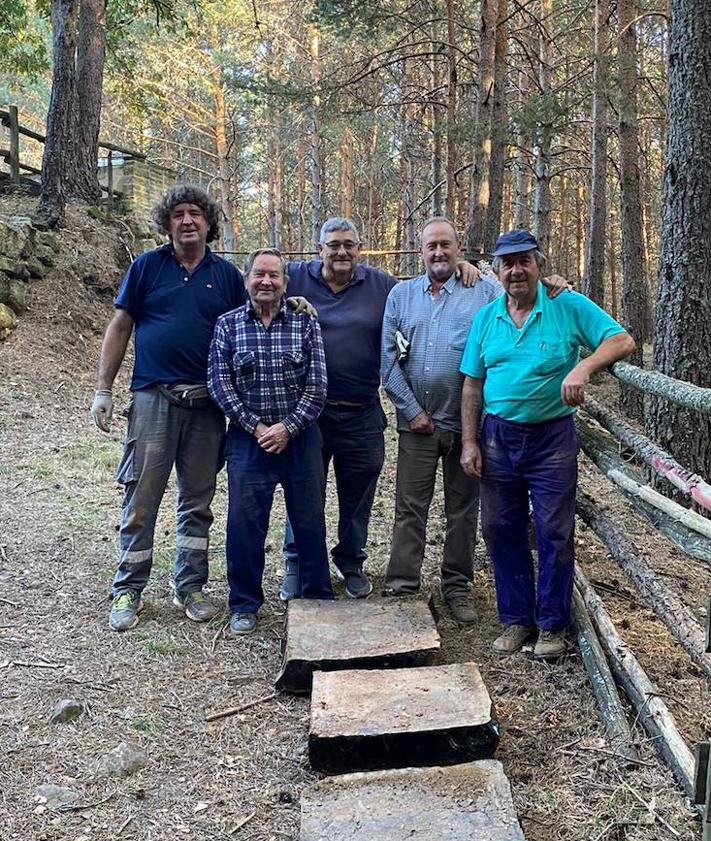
{"x": 462, "y": 608}
{"x": 550, "y": 644}
{"x": 358, "y": 585}
{"x": 125, "y": 608}
{"x": 290, "y": 583}
{"x": 243, "y": 623}
{"x": 512, "y": 639}
{"x": 196, "y": 606}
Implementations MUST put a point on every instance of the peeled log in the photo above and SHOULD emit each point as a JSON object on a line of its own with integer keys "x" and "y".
{"x": 603, "y": 684}
{"x": 666, "y": 604}
{"x": 643, "y": 694}
{"x": 678, "y": 391}
{"x": 657, "y": 458}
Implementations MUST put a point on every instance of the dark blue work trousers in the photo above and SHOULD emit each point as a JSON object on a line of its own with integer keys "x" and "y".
{"x": 353, "y": 439}
{"x": 252, "y": 476}
{"x": 540, "y": 460}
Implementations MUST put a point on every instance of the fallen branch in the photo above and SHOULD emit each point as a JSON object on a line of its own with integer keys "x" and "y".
{"x": 679, "y": 392}
{"x": 658, "y": 459}
{"x": 688, "y": 518}
{"x": 29, "y": 665}
{"x": 240, "y": 824}
{"x": 666, "y": 604}
{"x": 235, "y": 710}
{"x": 603, "y": 684}
{"x": 643, "y": 694}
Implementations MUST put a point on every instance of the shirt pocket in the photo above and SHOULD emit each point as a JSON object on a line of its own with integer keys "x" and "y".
{"x": 552, "y": 355}
{"x": 293, "y": 366}
{"x": 459, "y": 333}
{"x": 245, "y": 370}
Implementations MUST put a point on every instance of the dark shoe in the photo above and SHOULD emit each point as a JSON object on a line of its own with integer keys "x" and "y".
{"x": 290, "y": 583}
{"x": 358, "y": 585}
{"x": 124, "y": 611}
{"x": 196, "y": 606}
{"x": 513, "y": 639}
{"x": 461, "y": 606}
{"x": 243, "y": 623}
{"x": 550, "y": 645}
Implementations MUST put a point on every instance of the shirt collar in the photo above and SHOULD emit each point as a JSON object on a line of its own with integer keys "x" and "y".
{"x": 208, "y": 258}
{"x": 448, "y": 286}
{"x": 282, "y": 313}
{"x": 316, "y": 271}
{"x": 538, "y": 304}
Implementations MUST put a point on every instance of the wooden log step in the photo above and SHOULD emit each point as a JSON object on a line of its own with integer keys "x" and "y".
{"x": 469, "y": 802}
{"x": 372, "y": 634}
{"x": 372, "y": 720}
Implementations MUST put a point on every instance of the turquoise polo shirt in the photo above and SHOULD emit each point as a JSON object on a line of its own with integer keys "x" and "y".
{"x": 523, "y": 369}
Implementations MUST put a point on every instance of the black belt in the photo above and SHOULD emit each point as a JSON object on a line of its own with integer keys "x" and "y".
{"x": 346, "y": 404}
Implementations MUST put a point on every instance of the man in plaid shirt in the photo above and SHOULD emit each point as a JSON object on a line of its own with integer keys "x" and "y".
{"x": 267, "y": 372}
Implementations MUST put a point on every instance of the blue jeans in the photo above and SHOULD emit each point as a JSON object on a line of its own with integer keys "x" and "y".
{"x": 540, "y": 460}
{"x": 252, "y": 476}
{"x": 159, "y": 436}
{"x": 353, "y": 439}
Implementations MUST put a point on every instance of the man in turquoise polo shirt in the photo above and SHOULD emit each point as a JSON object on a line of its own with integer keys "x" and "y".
{"x": 522, "y": 367}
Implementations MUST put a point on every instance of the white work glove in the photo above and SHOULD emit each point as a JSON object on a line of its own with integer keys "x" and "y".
{"x": 102, "y": 408}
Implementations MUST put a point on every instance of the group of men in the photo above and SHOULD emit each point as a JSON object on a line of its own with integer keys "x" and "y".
{"x": 301, "y": 392}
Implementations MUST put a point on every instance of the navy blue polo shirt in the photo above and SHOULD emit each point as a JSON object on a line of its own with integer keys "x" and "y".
{"x": 175, "y": 312}
{"x": 351, "y": 322}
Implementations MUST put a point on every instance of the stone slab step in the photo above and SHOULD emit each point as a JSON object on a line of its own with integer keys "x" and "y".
{"x": 470, "y": 802}
{"x": 368, "y": 720}
{"x": 359, "y": 634}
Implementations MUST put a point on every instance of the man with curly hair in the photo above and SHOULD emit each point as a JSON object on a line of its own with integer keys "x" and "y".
{"x": 171, "y": 297}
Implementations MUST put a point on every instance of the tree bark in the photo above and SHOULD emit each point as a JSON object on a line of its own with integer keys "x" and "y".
{"x": 435, "y": 126}
{"x": 594, "y": 283}
{"x": 481, "y": 147}
{"x": 451, "y": 111}
{"x": 499, "y": 131}
{"x": 60, "y": 141}
{"x": 544, "y": 133}
{"x": 682, "y": 346}
{"x": 221, "y": 148}
{"x": 633, "y": 286}
{"x": 316, "y": 168}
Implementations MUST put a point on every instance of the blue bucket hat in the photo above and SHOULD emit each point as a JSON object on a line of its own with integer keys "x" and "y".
{"x": 514, "y": 242}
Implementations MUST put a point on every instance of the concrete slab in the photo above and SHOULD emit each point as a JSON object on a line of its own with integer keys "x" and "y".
{"x": 368, "y": 720}
{"x": 469, "y": 802}
{"x": 360, "y": 634}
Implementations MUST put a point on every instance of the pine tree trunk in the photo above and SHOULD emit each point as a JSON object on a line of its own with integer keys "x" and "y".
{"x": 435, "y": 126}
{"x": 451, "y": 112}
{"x": 499, "y": 131}
{"x": 316, "y": 160}
{"x": 82, "y": 176}
{"x": 481, "y": 147}
{"x": 682, "y": 346}
{"x": 544, "y": 133}
{"x": 594, "y": 283}
{"x": 60, "y": 143}
{"x": 633, "y": 286}
{"x": 218, "y": 98}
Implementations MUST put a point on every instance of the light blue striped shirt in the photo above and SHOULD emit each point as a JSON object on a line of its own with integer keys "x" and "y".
{"x": 437, "y": 328}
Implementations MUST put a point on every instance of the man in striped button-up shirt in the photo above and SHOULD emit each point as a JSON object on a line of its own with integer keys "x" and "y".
{"x": 267, "y": 372}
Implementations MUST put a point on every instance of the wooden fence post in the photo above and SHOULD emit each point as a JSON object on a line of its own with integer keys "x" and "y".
{"x": 110, "y": 181}
{"x": 14, "y": 144}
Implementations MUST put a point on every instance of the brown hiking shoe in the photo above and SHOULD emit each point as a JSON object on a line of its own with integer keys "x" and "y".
{"x": 512, "y": 639}
{"x": 461, "y": 606}
{"x": 550, "y": 644}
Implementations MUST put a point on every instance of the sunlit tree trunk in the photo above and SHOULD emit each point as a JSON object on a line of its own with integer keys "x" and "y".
{"x": 499, "y": 130}
{"x": 544, "y": 132}
{"x": 316, "y": 168}
{"x": 451, "y": 112}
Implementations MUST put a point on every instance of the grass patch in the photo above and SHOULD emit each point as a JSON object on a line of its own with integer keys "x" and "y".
{"x": 148, "y": 726}
{"x": 159, "y": 645}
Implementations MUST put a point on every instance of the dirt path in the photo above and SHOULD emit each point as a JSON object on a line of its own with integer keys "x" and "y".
{"x": 154, "y": 686}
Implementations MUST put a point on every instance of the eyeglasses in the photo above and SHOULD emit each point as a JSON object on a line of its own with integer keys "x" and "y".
{"x": 336, "y": 245}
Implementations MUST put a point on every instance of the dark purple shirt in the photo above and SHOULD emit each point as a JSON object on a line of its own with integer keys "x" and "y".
{"x": 351, "y": 323}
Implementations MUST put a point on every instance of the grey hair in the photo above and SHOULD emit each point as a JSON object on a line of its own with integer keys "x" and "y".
{"x": 187, "y": 194}
{"x": 272, "y": 252}
{"x": 538, "y": 256}
{"x": 439, "y": 220}
{"x": 338, "y": 223}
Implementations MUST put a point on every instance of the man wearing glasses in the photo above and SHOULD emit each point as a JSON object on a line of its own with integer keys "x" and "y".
{"x": 350, "y": 299}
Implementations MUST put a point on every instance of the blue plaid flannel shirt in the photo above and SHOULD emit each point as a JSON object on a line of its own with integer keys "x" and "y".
{"x": 272, "y": 375}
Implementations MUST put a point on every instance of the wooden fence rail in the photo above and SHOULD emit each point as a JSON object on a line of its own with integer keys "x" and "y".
{"x": 679, "y": 392}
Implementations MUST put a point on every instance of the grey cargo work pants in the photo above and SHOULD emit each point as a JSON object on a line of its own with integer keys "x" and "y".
{"x": 159, "y": 436}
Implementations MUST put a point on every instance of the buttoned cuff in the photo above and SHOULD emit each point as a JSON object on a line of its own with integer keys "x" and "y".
{"x": 249, "y": 422}
{"x": 412, "y": 410}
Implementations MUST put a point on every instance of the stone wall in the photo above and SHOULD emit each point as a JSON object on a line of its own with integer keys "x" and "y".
{"x": 142, "y": 183}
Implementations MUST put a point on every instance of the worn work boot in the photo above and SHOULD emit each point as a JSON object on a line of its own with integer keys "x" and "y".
{"x": 461, "y": 606}
{"x": 124, "y": 611}
{"x": 550, "y": 645}
{"x": 290, "y": 583}
{"x": 196, "y": 606}
{"x": 512, "y": 639}
{"x": 243, "y": 623}
{"x": 358, "y": 585}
